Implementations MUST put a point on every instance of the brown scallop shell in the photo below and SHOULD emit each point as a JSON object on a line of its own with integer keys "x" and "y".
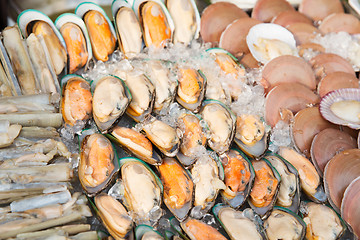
{"x": 326, "y": 144}
{"x": 291, "y": 96}
{"x": 216, "y": 17}
{"x": 289, "y": 17}
{"x": 339, "y": 172}
{"x": 310, "y": 46}
{"x": 350, "y": 210}
{"x": 286, "y": 69}
{"x": 233, "y": 38}
{"x": 319, "y": 9}
{"x": 303, "y": 32}
{"x": 340, "y": 22}
{"x": 337, "y": 80}
{"x": 248, "y": 61}
{"x": 307, "y": 123}
{"x": 326, "y": 63}
{"x": 266, "y": 10}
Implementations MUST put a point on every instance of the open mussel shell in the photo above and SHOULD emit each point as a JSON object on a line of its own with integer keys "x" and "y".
{"x": 306, "y": 124}
{"x": 339, "y": 172}
{"x": 186, "y": 19}
{"x": 76, "y": 101}
{"x": 98, "y": 23}
{"x": 227, "y": 62}
{"x": 155, "y": 21}
{"x": 191, "y": 88}
{"x": 178, "y": 188}
{"x": 145, "y": 232}
{"x": 310, "y": 181}
{"x": 128, "y": 28}
{"x": 216, "y": 17}
{"x": 113, "y": 215}
{"x": 283, "y": 223}
{"x": 239, "y": 176}
{"x": 221, "y": 123}
{"x": 142, "y": 191}
{"x": 193, "y": 138}
{"x": 197, "y": 229}
{"x": 322, "y": 221}
{"x": 136, "y": 143}
{"x": 289, "y": 191}
{"x": 326, "y": 144}
{"x": 98, "y": 164}
{"x": 110, "y": 100}
{"x": 267, "y": 41}
{"x": 250, "y": 135}
{"x": 162, "y": 135}
{"x": 245, "y": 224}
{"x": 285, "y": 69}
{"x": 342, "y": 107}
{"x": 77, "y": 40}
{"x": 265, "y": 189}
{"x": 287, "y": 96}
{"x": 350, "y": 210}
{"x": 207, "y": 174}
{"x": 143, "y": 96}
{"x": 30, "y": 21}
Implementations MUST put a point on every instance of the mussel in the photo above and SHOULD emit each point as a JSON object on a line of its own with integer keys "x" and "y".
{"x": 197, "y": 229}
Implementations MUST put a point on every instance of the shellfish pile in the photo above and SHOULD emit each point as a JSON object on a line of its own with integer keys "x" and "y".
{"x": 180, "y": 126}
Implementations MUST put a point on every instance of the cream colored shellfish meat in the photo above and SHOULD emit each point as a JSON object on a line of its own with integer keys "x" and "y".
{"x": 205, "y": 174}
{"x": 141, "y": 191}
{"x": 288, "y": 182}
{"x": 281, "y": 225}
{"x": 237, "y": 226}
{"x": 151, "y": 236}
{"x": 322, "y": 222}
{"x": 347, "y": 110}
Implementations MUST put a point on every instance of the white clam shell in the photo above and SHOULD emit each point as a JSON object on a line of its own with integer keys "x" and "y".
{"x": 345, "y": 94}
{"x": 269, "y": 31}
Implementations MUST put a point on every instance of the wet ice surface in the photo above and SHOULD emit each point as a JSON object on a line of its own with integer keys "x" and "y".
{"x": 343, "y": 44}
{"x": 280, "y": 137}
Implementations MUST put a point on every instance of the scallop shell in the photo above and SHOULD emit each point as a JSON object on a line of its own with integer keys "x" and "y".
{"x": 348, "y": 94}
{"x": 269, "y": 31}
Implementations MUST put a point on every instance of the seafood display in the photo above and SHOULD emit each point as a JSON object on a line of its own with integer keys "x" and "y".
{"x": 228, "y": 123}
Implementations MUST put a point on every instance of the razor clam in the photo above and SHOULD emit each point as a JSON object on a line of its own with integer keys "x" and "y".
{"x": 45, "y": 75}
{"x": 5, "y": 88}
{"x": 110, "y": 99}
{"x": 322, "y": 222}
{"x": 76, "y": 104}
{"x": 145, "y": 232}
{"x": 142, "y": 191}
{"x": 113, "y": 215}
{"x": 162, "y": 135}
{"x": 284, "y": 224}
{"x": 143, "y": 95}
{"x": 8, "y": 133}
{"x": 191, "y": 89}
{"x": 197, "y": 229}
{"x": 264, "y": 192}
{"x": 156, "y": 22}
{"x": 239, "y": 224}
{"x": 127, "y": 27}
{"x": 178, "y": 188}
{"x": 193, "y": 138}
{"x": 136, "y": 143}
{"x": 20, "y": 60}
{"x": 309, "y": 178}
{"x": 186, "y": 19}
{"x": 77, "y": 40}
{"x": 33, "y": 21}
{"x": 238, "y": 177}
{"x": 207, "y": 176}
{"x": 289, "y": 191}
{"x": 98, "y": 163}
{"x": 165, "y": 85}
{"x": 98, "y": 24}
{"x": 221, "y": 123}
{"x": 29, "y": 119}
{"x": 250, "y": 135}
